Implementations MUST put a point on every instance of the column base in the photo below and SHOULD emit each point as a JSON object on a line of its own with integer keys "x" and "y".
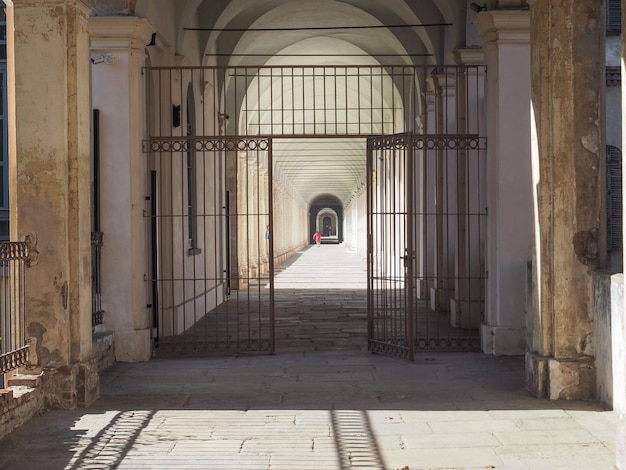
{"x": 564, "y": 379}
{"x": 422, "y": 289}
{"x": 72, "y": 386}
{"x": 439, "y": 300}
{"x": 503, "y": 340}
{"x": 133, "y": 345}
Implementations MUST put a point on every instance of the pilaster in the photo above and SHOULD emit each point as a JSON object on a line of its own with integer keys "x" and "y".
{"x": 506, "y": 35}
{"x": 119, "y": 94}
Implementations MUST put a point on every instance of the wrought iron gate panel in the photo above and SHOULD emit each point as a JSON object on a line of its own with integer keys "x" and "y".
{"x": 449, "y": 217}
{"x": 212, "y": 276}
{"x": 390, "y": 303}
{"x": 426, "y": 216}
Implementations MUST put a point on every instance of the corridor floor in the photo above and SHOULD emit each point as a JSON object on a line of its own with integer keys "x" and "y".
{"x": 326, "y": 405}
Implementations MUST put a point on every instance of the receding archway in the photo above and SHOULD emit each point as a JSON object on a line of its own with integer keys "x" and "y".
{"x": 326, "y": 212}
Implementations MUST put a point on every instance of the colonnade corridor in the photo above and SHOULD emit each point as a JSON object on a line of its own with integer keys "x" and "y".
{"x": 321, "y": 300}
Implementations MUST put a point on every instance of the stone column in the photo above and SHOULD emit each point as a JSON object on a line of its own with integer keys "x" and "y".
{"x": 119, "y": 94}
{"x": 467, "y": 306}
{"x": 567, "y": 64}
{"x": 49, "y": 152}
{"x": 506, "y": 35}
{"x": 445, "y": 193}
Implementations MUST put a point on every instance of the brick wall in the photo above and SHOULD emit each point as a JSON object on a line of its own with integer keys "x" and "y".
{"x": 19, "y": 402}
{"x": 25, "y": 394}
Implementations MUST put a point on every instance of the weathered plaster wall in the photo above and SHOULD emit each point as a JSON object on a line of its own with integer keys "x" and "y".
{"x": 49, "y": 176}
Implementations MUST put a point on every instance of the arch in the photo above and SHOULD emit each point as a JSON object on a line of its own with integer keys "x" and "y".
{"x": 327, "y": 205}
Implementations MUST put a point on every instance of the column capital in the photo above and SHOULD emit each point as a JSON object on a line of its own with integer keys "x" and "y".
{"x": 121, "y": 32}
{"x": 468, "y": 56}
{"x": 503, "y": 25}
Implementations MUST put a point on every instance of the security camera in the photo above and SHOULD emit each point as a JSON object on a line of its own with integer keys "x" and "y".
{"x": 223, "y": 116}
{"x": 107, "y": 59}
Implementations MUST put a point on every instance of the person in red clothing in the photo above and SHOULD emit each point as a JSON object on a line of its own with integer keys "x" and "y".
{"x": 317, "y": 237}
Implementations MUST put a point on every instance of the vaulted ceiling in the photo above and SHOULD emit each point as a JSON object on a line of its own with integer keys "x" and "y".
{"x": 318, "y": 32}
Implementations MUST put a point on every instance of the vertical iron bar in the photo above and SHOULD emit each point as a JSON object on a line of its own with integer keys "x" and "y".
{"x": 409, "y": 244}
{"x": 96, "y": 170}
{"x": 270, "y": 196}
{"x": 155, "y": 255}
{"x": 369, "y": 243}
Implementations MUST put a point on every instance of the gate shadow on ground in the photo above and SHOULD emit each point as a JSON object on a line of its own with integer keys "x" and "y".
{"x": 314, "y": 410}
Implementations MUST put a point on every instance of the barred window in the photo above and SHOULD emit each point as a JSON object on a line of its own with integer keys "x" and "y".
{"x": 613, "y": 17}
{"x": 614, "y": 197}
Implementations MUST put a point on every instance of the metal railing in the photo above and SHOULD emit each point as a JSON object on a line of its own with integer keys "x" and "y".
{"x": 14, "y": 257}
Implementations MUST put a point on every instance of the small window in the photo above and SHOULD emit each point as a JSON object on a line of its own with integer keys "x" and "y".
{"x": 613, "y": 17}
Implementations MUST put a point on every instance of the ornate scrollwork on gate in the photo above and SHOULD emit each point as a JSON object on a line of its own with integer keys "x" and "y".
{"x": 449, "y": 142}
{"x": 427, "y": 142}
{"x": 470, "y": 343}
{"x": 387, "y": 142}
{"x": 205, "y": 144}
{"x": 390, "y": 349}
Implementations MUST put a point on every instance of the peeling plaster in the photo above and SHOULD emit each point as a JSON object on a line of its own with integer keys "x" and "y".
{"x": 591, "y": 142}
{"x": 42, "y": 355}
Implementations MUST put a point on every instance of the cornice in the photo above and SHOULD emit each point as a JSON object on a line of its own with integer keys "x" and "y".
{"x": 468, "y": 56}
{"x": 121, "y": 32}
{"x": 503, "y": 25}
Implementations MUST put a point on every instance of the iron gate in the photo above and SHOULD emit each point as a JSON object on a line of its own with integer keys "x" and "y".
{"x": 211, "y": 201}
{"x": 212, "y": 264}
{"x": 390, "y": 321}
{"x": 426, "y": 265}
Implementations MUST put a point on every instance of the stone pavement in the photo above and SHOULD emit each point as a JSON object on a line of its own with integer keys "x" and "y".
{"x": 321, "y": 301}
{"x": 318, "y": 410}
{"x": 321, "y": 403}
